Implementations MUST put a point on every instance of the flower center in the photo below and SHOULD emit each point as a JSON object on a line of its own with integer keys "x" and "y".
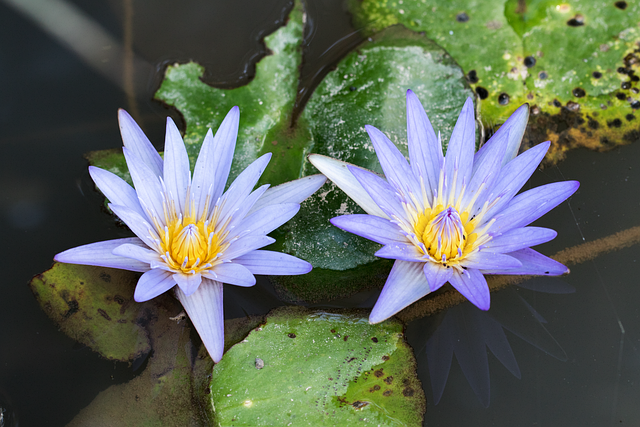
{"x": 188, "y": 244}
{"x": 444, "y": 234}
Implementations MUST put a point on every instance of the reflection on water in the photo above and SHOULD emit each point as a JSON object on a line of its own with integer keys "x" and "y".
{"x": 467, "y": 332}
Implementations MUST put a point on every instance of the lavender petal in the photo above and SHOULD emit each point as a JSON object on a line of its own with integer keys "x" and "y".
{"x": 100, "y": 254}
{"x": 380, "y": 230}
{"x": 273, "y": 263}
{"x": 472, "y": 285}
{"x": 153, "y": 283}
{"x": 406, "y": 284}
{"x": 205, "y": 311}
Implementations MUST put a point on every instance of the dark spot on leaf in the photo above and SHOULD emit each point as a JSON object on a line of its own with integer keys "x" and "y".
{"x": 104, "y": 314}
{"x": 388, "y": 380}
{"x": 385, "y": 357}
{"x": 345, "y": 337}
{"x": 122, "y": 321}
{"x": 352, "y": 88}
{"x": 626, "y": 85}
{"x": 576, "y": 21}
{"x": 374, "y": 339}
{"x": 482, "y": 92}
{"x": 333, "y": 331}
{"x": 622, "y": 70}
{"x": 615, "y": 123}
{"x": 73, "y": 308}
{"x": 330, "y": 379}
{"x": 387, "y": 393}
{"x": 462, "y": 17}
{"x": 635, "y": 105}
{"x": 621, "y": 96}
{"x": 408, "y": 392}
{"x": 593, "y": 124}
{"x": 472, "y": 77}
{"x": 358, "y": 404}
{"x": 291, "y": 335}
{"x": 596, "y": 74}
{"x": 105, "y": 277}
{"x": 374, "y": 388}
{"x": 573, "y": 106}
{"x": 578, "y": 92}
{"x": 503, "y": 99}
{"x": 378, "y": 373}
{"x": 629, "y": 117}
{"x": 542, "y": 75}
{"x": 556, "y": 103}
{"x": 529, "y": 61}
{"x": 622, "y": 5}
{"x": 351, "y": 360}
{"x": 119, "y": 299}
{"x": 635, "y": 78}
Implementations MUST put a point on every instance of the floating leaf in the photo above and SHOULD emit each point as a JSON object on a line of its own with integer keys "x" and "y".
{"x": 94, "y": 306}
{"x": 316, "y": 368}
{"x": 574, "y": 62}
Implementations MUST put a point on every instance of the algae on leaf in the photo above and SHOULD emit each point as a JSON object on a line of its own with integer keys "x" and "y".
{"x": 318, "y": 368}
{"x": 574, "y": 61}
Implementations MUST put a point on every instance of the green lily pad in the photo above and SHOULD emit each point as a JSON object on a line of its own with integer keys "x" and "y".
{"x": 94, "y": 306}
{"x": 574, "y": 61}
{"x": 367, "y": 87}
{"x": 305, "y": 367}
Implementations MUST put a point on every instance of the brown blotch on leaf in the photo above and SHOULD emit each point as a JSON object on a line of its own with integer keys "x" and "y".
{"x": 378, "y": 373}
{"x": 387, "y": 393}
{"x": 388, "y": 380}
{"x": 291, "y": 335}
{"x": 359, "y": 405}
{"x": 408, "y": 392}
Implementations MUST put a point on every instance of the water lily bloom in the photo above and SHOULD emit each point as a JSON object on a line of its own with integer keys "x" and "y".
{"x": 449, "y": 218}
{"x": 191, "y": 233}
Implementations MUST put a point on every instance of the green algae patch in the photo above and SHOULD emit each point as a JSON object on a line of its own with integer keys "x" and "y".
{"x": 314, "y": 368}
{"x": 94, "y": 306}
{"x": 575, "y": 62}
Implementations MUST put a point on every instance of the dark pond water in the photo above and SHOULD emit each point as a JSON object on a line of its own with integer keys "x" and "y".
{"x": 577, "y": 353}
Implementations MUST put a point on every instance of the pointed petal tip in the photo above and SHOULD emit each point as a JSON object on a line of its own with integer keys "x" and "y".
{"x": 123, "y": 115}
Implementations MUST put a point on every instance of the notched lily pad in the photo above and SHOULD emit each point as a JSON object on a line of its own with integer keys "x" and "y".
{"x": 94, "y": 306}
{"x": 317, "y": 368}
{"x": 574, "y": 62}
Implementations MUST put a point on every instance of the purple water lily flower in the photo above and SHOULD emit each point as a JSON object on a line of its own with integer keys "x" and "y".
{"x": 190, "y": 233}
{"x": 449, "y": 218}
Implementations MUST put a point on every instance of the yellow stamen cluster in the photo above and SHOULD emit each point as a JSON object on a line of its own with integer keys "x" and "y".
{"x": 446, "y": 235}
{"x": 444, "y": 231}
{"x": 191, "y": 244}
